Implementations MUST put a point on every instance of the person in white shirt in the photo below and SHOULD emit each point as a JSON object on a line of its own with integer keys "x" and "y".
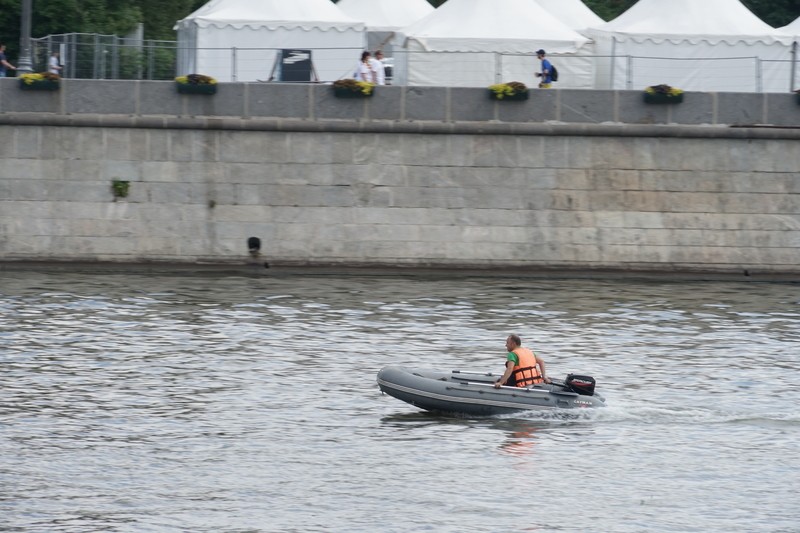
{"x": 53, "y": 67}
{"x": 364, "y": 71}
{"x": 377, "y": 66}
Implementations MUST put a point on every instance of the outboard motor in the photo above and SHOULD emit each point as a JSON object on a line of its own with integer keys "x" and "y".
{"x": 583, "y": 385}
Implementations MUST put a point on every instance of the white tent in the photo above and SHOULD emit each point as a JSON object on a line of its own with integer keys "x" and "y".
{"x": 573, "y": 13}
{"x": 244, "y": 40}
{"x": 791, "y": 29}
{"x": 708, "y": 45}
{"x": 384, "y": 17}
{"x": 474, "y": 43}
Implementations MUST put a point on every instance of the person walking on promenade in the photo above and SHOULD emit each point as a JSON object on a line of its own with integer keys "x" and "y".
{"x": 364, "y": 71}
{"x": 378, "y": 68}
{"x": 4, "y": 64}
{"x": 53, "y": 65}
{"x": 546, "y": 71}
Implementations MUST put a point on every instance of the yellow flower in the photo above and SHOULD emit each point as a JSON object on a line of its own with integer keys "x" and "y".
{"x": 366, "y": 87}
{"x": 31, "y": 77}
{"x": 355, "y": 86}
{"x": 501, "y": 90}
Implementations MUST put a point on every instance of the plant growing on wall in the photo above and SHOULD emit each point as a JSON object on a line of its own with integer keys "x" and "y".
{"x": 120, "y": 188}
{"x": 513, "y": 90}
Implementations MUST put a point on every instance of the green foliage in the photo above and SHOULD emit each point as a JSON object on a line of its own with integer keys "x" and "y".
{"x": 162, "y": 64}
{"x": 159, "y": 17}
{"x": 120, "y": 188}
{"x": 131, "y": 63}
{"x": 108, "y": 17}
{"x": 9, "y": 26}
{"x": 776, "y": 13}
{"x": 85, "y": 16}
{"x": 609, "y": 9}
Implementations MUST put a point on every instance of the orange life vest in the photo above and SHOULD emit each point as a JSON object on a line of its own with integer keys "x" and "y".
{"x": 526, "y": 372}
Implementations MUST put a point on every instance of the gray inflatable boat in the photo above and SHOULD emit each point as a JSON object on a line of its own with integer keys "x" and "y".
{"x": 473, "y": 393}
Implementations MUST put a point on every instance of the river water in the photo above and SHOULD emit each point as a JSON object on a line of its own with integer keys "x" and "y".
{"x": 147, "y": 401}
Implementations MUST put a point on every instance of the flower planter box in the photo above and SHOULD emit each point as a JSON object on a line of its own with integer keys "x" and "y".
{"x": 516, "y": 97}
{"x": 191, "y": 88}
{"x": 660, "y": 98}
{"x": 347, "y": 93}
{"x": 39, "y": 85}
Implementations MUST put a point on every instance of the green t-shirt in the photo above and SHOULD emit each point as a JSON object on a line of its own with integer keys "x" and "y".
{"x": 511, "y": 356}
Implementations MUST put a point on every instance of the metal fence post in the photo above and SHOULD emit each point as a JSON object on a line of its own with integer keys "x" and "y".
{"x": 793, "y": 74}
{"x": 233, "y": 64}
{"x": 96, "y": 56}
{"x": 629, "y": 74}
{"x": 73, "y": 56}
{"x": 150, "y": 60}
{"x": 115, "y": 46}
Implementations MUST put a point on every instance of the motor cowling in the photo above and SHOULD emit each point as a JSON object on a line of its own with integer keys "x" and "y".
{"x": 583, "y": 385}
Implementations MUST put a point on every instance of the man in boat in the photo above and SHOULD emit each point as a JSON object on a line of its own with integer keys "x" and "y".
{"x": 523, "y": 367}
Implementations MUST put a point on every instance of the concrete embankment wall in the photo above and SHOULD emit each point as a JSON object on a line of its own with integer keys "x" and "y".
{"x": 411, "y": 177}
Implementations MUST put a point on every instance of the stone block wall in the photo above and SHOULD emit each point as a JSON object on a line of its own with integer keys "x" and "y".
{"x": 437, "y": 192}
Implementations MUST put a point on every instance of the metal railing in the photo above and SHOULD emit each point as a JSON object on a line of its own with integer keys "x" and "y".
{"x": 95, "y": 56}
{"x": 110, "y": 57}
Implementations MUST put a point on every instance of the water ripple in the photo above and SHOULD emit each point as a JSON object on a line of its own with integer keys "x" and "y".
{"x": 165, "y": 402}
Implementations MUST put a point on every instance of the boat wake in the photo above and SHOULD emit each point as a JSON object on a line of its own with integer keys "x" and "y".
{"x": 650, "y": 414}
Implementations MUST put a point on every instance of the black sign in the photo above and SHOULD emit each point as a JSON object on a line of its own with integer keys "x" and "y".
{"x": 295, "y": 65}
